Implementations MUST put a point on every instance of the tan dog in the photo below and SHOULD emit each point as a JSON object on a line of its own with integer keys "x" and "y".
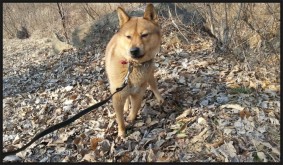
{"x": 137, "y": 41}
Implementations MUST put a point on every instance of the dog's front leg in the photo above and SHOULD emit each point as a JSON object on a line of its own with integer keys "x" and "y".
{"x": 136, "y": 100}
{"x": 118, "y": 104}
{"x": 153, "y": 87}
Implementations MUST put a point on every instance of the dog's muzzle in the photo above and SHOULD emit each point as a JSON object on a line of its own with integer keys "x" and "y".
{"x": 135, "y": 52}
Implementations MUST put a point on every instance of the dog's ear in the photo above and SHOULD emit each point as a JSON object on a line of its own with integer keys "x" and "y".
{"x": 123, "y": 16}
{"x": 150, "y": 13}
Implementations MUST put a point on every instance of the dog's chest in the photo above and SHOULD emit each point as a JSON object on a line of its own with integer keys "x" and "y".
{"x": 139, "y": 77}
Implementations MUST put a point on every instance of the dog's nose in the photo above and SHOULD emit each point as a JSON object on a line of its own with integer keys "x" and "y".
{"x": 135, "y": 52}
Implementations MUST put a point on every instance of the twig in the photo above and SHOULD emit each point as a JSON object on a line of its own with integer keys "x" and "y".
{"x": 170, "y": 15}
{"x": 271, "y": 12}
{"x": 90, "y": 8}
{"x": 249, "y": 67}
{"x": 236, "y": 22}
{"x": 258, "y": 31}
{"x": 176, "y": 12}
{"x": 87, "y": 11}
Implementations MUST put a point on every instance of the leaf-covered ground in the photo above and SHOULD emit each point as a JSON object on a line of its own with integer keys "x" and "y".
{"x": 217, "y": 108}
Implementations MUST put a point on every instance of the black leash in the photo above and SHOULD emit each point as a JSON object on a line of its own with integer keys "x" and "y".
{"x": 72, "y": 119}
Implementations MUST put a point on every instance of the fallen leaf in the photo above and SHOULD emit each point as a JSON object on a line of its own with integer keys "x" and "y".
{"x": 12, "y": 158}
{"x": 94, "y": 143}
{"x": 184, "y": 114}
{"x": 181, "y": 135}
{"x": 244, "y": 113}
{"x": 261, "y": 156}
{"x": 232, "y": 106}
{"x": 73, "y": 97}
{"x": 126, "y": 157}
{"x": 88, "y": 158}
{"x": 77, "y": 140}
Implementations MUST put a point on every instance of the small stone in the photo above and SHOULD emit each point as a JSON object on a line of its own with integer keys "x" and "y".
{"x": 68, "y": 88}
{"x": 67, "y": 108}
{"x": 204, "y": 102}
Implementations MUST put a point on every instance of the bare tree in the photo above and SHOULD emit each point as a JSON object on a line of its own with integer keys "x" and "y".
{"x": 63, "y": 20}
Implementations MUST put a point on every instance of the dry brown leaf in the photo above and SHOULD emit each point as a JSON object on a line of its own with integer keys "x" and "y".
{"x": 186, "y": 113}
{"x": 83, "y": 136}
{"x": 181, "y": 135}
{"x": 94, "y": 143}
{"x": 88, "y": 158}
{"x": 151, "y": 156}
{"x": 73, "y": 97}
{"x": 199, "y": 137}
{"x": 216, "y": 144}
{"x": 126, "y": 157}
{"x": 153, "y": 122}
{"x": 232, "y": 106}
{"x": 244, "y": 113}
{"x": 77, "y": 140}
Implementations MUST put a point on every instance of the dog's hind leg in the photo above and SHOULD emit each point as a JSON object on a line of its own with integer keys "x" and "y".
{"x": 127, "y": 104}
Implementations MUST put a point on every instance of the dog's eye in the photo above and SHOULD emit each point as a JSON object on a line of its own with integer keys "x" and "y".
{"x": 129, "y": 37}
{"x": 144, "y": 35}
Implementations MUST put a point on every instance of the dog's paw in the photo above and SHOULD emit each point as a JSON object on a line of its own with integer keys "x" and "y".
{"x": 122, "y": 131}
{"x": 131, "y": 118}
{"x": 121, "y": 134}
{"x": 160, "y": 100}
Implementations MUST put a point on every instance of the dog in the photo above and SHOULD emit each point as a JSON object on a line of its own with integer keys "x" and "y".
{"x": 137, "y": 41}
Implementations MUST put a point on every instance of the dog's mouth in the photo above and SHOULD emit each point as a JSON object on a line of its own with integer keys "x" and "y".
{"x": 139, "y": 56}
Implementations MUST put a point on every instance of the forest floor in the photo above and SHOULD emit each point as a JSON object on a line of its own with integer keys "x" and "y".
{"x": 217, "y": 108}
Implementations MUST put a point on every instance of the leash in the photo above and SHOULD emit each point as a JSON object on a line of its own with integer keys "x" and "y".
{"x": 72, "y": 119}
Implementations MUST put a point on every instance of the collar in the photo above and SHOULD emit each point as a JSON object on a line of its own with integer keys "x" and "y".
{"x": 124, "y": 62}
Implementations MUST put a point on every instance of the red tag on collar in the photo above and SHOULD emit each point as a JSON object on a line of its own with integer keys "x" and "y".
{"x": 123, "y": 62}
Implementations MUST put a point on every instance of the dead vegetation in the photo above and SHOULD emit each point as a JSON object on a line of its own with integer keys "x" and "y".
{"x": 218, "y": 71}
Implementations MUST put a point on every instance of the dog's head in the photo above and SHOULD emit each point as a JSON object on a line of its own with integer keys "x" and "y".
{"x": 140, "y": 37}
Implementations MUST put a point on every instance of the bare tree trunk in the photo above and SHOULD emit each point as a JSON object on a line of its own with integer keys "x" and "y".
{"x": 225, "y": 30}
{"x": 63, "y": 19}
{"x": 211, "y": 19}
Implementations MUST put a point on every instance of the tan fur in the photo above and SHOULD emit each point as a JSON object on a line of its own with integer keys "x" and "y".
{"x": 144, "y": 33}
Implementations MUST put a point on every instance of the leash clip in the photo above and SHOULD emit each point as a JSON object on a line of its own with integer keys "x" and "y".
{"x": 126, "y": 79}
{"x": 130, "y": 68}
